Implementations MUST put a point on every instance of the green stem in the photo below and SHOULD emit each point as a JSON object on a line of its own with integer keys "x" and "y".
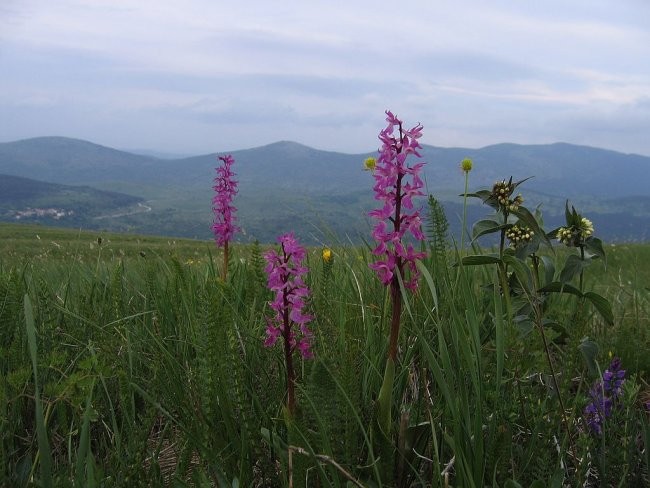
{"x": 396, "y": 300}
{"x": 384, "y": 401}
{"x": 503, "y": 271}
{"x": 582, "y": 271}
{"x": 505, "y": 290}
{"x": 463, "y": 228}
{"x": 536, "y": 302}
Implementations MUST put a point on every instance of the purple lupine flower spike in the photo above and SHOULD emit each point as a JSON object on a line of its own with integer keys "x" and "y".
{"x": 605, "y": 396}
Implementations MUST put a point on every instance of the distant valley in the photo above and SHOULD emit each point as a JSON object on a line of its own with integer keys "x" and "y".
{"x": 319, "y": 194}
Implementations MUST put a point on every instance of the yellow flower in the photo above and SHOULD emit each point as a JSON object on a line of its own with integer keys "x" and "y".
{"x": 327, "y": 255}
{"x": 466, "y": 165}
{"x": 369, "y": 164}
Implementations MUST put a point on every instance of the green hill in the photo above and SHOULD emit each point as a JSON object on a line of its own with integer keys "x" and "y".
{"x": 27, "y": 200}
{"x": 286, "y": 185}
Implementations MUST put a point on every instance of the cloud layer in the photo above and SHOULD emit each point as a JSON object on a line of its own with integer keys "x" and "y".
{"x": 203, "y": 76}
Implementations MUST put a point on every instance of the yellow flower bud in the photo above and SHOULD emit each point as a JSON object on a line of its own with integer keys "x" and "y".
{"x": 466, "y": 165}
{"x": 327, "y": 255}
{"x": 370, "y": 164}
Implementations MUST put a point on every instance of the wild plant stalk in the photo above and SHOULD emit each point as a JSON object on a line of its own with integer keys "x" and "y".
{"x": 223, "y": 227}
{"x": 285, "y": 278}
{"x": 578, "y": 232}
{"x": 44, "y": 451}
{"x": 501, "y": 193}
{"x": 398, "y": 212}
{"x": 466, "y": 166}
{"x": 535, "y": 301}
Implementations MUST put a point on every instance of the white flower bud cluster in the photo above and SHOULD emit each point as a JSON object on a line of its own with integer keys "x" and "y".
{"x": 519, "y": 236}
{"x": 514, "y": 204}
{"x": 576, "y": 236}
{"x": 501, "y": 191}
{"x": 586, "y": 228}
{"x": 565, "y": 236}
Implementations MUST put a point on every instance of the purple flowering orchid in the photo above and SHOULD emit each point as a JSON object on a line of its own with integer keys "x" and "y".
{"x": 223, "y": 227}
{"x": 225, "y": 187}
{"x": 396, "y": 186}
{"x": 285, "y": 278}
{"x": 605, "y": 395}
{"x": 397, "y": 215}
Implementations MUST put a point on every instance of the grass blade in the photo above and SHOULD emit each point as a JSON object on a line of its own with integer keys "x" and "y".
{"x": 41, "y": 433}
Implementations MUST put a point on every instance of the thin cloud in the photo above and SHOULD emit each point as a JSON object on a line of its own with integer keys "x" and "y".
{"x": 474, "y": 73}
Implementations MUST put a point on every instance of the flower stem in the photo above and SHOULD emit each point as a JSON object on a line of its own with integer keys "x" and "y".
{"x": 582, "y": 270}
{"x": 463, "y": 228}
{"x": 396, "y": 299}
{"x": 536, "y": 303}
{"x": 288, "y": 357}
{"x": 225, "y": 261}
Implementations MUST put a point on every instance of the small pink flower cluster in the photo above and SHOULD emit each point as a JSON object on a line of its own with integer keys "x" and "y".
{"x": 285, "y": 271}
{"x": 397, "y": 197}
{"x": 225, "y": 187}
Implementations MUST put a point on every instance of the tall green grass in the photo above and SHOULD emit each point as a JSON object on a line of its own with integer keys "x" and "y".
{"x": 131, "y": 363}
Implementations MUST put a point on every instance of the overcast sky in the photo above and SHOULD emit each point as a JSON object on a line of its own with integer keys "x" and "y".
{"x": 201, "y": 76}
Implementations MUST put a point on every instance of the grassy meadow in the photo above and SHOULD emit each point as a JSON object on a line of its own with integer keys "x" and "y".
{"x": 128, "y": 361}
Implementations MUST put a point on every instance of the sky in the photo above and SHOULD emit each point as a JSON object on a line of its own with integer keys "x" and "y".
{"x": 203, "y": 76}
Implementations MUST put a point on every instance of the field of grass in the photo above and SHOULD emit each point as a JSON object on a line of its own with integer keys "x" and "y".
{"x": 127, "y": 361}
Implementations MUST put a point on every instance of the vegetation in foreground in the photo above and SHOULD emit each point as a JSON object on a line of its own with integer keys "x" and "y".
{"x": 130, "y": 361}
{"x": 147, "y": 378}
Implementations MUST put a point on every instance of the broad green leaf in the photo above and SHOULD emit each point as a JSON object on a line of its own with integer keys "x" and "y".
{"x": 602, "y": 305}
{"x": 562, "y": 336}
{"x": 589, "y": 350}
{"x": 520, "y": 181}
{"x": 572, "y": 268}
{"x": 384, "y": 401}
{"x": 479, "y": 260}
{"x": 538, "y": 215}
{"x": 567, "y": 212}
{"x": 553, "y": 234}
{"x": 558, "y": 287}
{"x": 595, "y": 246}
{"x": 573, "y": 218}
{"x": 520, "y": 268}
{"x": 529, "y": 219}
{"x": 549, "y": 269}
{"x": 487, "y": 226}
{"x": 482, "y": 194}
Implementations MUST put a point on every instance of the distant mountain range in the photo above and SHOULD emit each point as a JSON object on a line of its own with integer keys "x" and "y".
{"x": 287, "y": 186}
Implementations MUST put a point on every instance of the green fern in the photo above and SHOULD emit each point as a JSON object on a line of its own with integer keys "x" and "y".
{"x": 437, "y": 229}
